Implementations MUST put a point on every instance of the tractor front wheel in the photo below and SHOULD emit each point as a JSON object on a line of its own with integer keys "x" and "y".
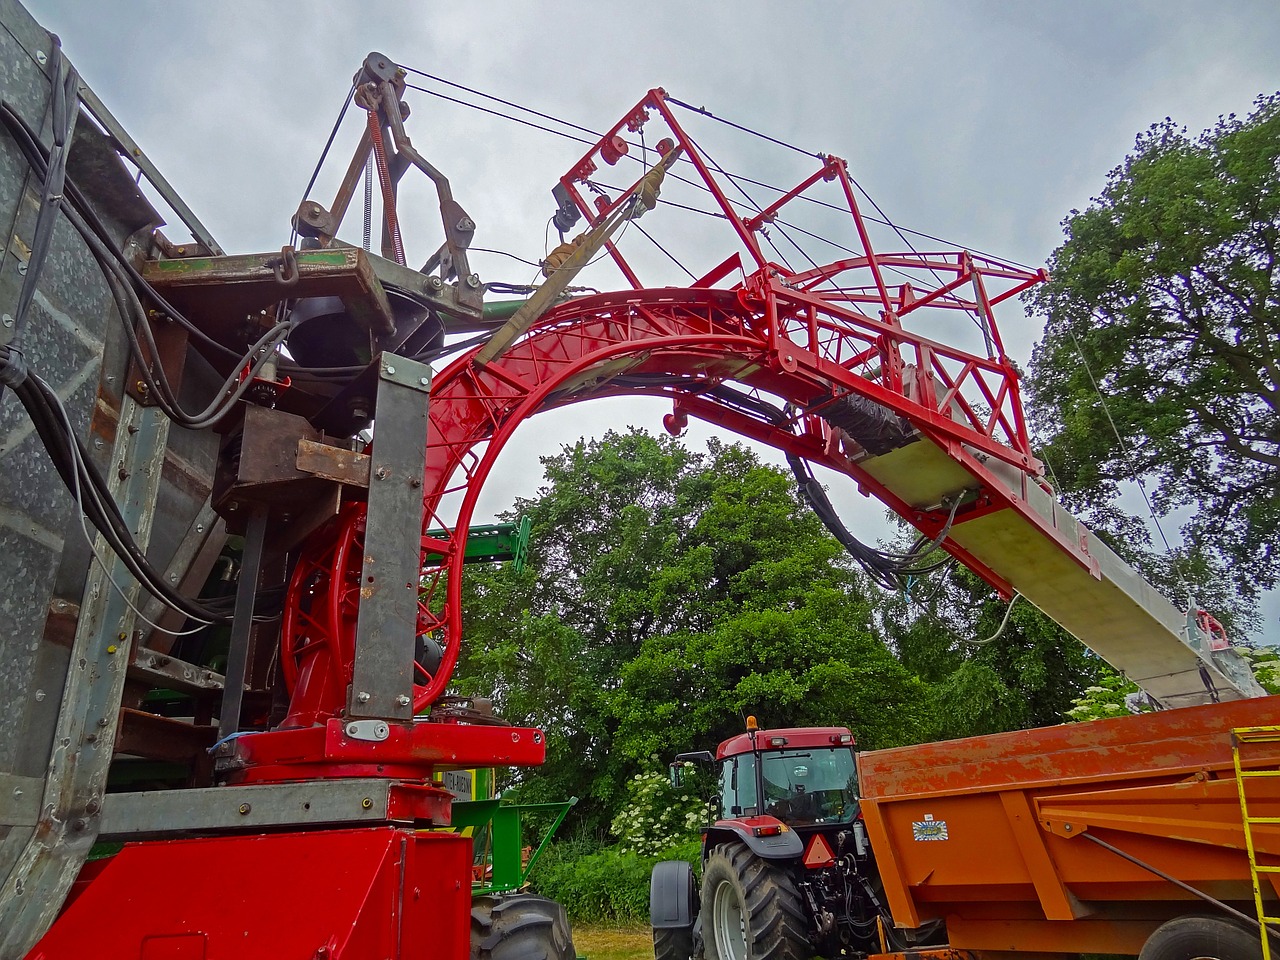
{"x": 519, "y": 926}
{"x": 751, "y": 909}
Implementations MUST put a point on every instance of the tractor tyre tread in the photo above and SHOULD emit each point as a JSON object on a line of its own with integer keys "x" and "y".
{"x": 777, "y": 926}
{"x": 1202, "y": 938}
{"x": 519, "y": 926}
{"x": 673, "y": 943}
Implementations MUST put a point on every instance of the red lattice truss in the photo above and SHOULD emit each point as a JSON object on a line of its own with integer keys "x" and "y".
{"x": 802, "y": 337}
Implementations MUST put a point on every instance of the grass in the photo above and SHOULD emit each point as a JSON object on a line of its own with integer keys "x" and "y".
{"x": 599, "y": 942}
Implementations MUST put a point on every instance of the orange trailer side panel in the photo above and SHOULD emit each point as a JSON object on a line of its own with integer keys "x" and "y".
{"x": 992, "y": 834}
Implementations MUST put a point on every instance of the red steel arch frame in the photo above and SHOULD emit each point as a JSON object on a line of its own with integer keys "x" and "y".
{"x": 805, "y": 337}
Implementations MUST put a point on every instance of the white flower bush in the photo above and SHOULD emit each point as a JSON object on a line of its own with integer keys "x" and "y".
{"x": 657, "y": 816}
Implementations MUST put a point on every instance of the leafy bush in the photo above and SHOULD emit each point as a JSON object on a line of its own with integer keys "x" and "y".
{"x": 658, "y": 815}
{"x": 608, "y": 886}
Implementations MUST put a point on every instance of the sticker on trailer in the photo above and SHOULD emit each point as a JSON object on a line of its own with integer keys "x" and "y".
{"x": 929, "y": 829}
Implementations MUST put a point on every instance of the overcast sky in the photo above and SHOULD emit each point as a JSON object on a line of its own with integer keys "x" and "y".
{"x": 982, "y": 122}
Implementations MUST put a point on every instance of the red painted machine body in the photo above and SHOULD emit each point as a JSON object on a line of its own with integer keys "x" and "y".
{"x": 382, "y": 892}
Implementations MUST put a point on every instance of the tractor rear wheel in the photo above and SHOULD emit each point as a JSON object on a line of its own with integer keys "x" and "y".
{"x": 519, "y": 926}
{"x": 751, "y": 909}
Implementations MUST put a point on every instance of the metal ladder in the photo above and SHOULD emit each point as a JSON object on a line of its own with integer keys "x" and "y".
{"x": 1241, "y": 737}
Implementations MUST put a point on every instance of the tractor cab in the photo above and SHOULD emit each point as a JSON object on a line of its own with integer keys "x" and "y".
{"x": 801, "y": 776}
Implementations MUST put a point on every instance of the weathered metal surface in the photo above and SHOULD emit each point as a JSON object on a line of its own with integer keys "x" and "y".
{"x": 246, "y": 283}
{"x": 242, "y": 625}
{"x": 153, "y": 737}
{"x": 169, "y": 673}
{"x": 333, "y": 463}
{"x": 985, "y": 831}
{"x": 387, "y": 625}
{"x": 255, "y": 807}
{"x": 76, "y": 778}
{"x": 75, "y": 342}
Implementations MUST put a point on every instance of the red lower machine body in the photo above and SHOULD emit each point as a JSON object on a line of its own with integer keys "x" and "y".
{"x": 374, "y": 892}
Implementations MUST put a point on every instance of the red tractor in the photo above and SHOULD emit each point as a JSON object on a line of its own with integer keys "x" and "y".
{"x": 787, "y": 868}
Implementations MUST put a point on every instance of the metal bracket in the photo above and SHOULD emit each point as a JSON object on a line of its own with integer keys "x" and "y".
{"x": 368, "y": 730}
{"x": 387, "y": 624}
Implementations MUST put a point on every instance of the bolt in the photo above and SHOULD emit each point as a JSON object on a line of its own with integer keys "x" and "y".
{"x": 112, "y": 649}
{"x": 40, "y": 695}
{"x": 362, "y": 697}
{"x": 79, "y": 824}
{"x": 415, "y": 483}
{"x": 244, "y": 809}
{"x": 391, "y": 370}
{"x": 473, "y": 281}
{"x": 1066, "y": 828}
{"x": 367, "y": 803}
{"x": 41, "y": 57}
{"x": 93, "y": 806}
{"x": 102, "y": 721}
{"x": 466, "y": 223}
{"x": 233, "y": 506}
{"x": 173, "y": 578}
{"x": 403, "y": 700}
{"x": 199, "y": 528}
{"x": 382, "y": 473}
{"x": 22, "y": 268}
{"x": 425, "y": 381}
{"x": 435, "y": 283}
{"x": 8, "y": 320}
{"x": 97, "y": 442}
{"x": 122, "y": 473}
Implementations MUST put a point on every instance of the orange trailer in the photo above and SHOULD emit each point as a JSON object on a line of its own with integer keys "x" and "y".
{"x": 1084, "y": 838}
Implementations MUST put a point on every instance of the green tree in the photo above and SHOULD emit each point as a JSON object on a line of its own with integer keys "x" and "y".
{"x": 1165, "y": 300}
{"x": 991, "y": 667}
{"x": 667, "y": 595}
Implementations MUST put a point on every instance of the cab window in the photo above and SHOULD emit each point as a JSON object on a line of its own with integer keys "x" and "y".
{"x": 810, "y": 786}
{"x": 738, "y": 786}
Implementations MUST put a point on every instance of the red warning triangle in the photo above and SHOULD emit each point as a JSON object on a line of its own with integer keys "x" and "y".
{"x": 818, "y": 854}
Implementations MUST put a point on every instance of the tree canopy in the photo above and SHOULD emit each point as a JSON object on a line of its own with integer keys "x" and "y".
{"x": 668, "y": 594}
{"x": 1165, "y": 300}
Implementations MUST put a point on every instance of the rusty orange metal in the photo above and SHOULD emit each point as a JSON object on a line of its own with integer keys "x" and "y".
{"x": 989, "y": 833}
